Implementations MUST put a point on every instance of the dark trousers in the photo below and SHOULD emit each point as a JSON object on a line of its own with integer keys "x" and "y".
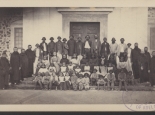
{"x": 62, "y": 86}
{"x": 4, "y": 80}
{"x": 87, "y": 52}
{"x": 152, "y": 79}
{"x": 67, "y": 85}
{"x": 120, "y": 84}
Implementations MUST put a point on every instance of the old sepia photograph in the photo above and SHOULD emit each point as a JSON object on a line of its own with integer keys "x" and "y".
{"x": 78, "y": 55}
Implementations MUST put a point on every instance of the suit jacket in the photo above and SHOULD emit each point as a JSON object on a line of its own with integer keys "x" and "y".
{"x": 42, "y": 46}
{"x": 94, "y": 44}
{"x": 71, "y": 45}
{"x": 105, "y": 46}
{"x": 79, "y": 48}
{"x": 59, "y": 47}
{"x": 51, "y": 47}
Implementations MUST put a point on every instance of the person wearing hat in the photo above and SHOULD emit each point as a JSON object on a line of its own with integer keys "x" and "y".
{"x": 143, "y": 67}
{"x": 71, "y": 46}
{"x": 4, "y": 71}
{"x": 65, "y": 47}
{"x": 31, "y": 58}
{"x": 37, "y": 52}
{"x": 51, "y": 47}
{"x": 135, "y": 53}
{"x": 79, "y": 49}
{"x": 24, "y": 64}
{"x": 122, "y": 47}
{"x": 113, "y": 46}
{"x": 105, "y": 49}
{"x": 96, "y": 46}
{"x": 44, "y": 47}
{"x": 59, "y": 47}
{"x": 129, "y": 50}
{"x": 87, "y": 46}
{"x": 15, "y": 66}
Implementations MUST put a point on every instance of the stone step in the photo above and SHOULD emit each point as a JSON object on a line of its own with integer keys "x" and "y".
{"x": 132, "y": 88}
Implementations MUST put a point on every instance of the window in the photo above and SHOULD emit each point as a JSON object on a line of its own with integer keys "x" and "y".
{"x": 152, "y": 38}
{"x": 18, "y": 34}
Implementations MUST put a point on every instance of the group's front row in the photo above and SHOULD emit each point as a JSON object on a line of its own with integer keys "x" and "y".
{"x": 79, "y": 77}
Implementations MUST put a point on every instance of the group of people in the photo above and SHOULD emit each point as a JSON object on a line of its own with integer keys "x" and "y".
{"x": 74, "y": 64}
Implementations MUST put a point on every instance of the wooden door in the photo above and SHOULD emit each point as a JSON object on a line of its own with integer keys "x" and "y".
{"x": 84, "y": 28}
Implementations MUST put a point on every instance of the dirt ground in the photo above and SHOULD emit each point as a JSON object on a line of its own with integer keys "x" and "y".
{"x": 76, "y": 97}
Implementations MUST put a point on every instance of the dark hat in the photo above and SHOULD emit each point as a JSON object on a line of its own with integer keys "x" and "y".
{"x": 104, "y": 38}
{"x": 129, "y": 44}
{"x": 43, "y": 38}
{"x": 113, "y": 39}
{"x": 122, "y": 39}
{"x": 51, "y": 38}
{"x": 64, "y": 39}
{"x": 58, "y": 37}
{"x": 87, "y": 36}
{"x": 37, "y": 45}
{"x": 71, "y": 36}
{"x": 95, "y": 70}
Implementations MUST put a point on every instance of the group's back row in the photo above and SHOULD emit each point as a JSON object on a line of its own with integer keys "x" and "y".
{"x": 87, "y": 47}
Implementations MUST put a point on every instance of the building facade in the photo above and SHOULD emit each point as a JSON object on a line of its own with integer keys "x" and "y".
{"x": 20, "y": 27}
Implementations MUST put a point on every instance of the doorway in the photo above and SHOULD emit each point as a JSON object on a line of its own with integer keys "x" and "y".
{"x": 85, "y": 28}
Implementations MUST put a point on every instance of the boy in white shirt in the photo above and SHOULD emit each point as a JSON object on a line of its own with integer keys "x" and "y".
{"x": 62, "y": 81}
{"x": 67, "y": 81}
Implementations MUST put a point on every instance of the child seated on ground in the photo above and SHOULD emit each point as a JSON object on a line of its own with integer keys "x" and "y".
{"x": 63, "y": 68}
{"x": 94, "y": 78}
{"x": 77, "y": 70}
{"x": 62, "y": 81}
{"x": 39, "y": 65}
{"x": 51, "y": 68}
{"x": 122, "y": 79}
{"x": 54, "y": 81}
{"x": 46, "y": 80}
{"x": 38, "y": 80}
{"x": 64, "y": 59}
{"x": 74, "y": 60}
{"x": 86, "y": 69}
{"x": 74, "y": 81}
{"x": 70, "y": 68}
{"x": 86, "y": 81}
{"x": 130, "y": 78}
{"x": 101, "y": 81}
{"x": 111, "y": 79}
{"x": 80, "y": 82}
{"x": 67, "y": 81}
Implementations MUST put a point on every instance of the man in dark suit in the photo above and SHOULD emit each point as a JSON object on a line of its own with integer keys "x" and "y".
{"x": 136, "y": 52}
{"x": 96, "y": 46}
{"x": 44, "y": 48}
{"x": 79, "y": 48}
{"x": 59, "y": 47}
{"x": 71, "y": 46}
{"x": 87, "y": 46}
{"x": 105, "y": 48}
{"x": 51, "y": 47}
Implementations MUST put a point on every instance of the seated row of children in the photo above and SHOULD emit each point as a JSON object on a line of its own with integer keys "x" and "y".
{"x": 77, "y": 74}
